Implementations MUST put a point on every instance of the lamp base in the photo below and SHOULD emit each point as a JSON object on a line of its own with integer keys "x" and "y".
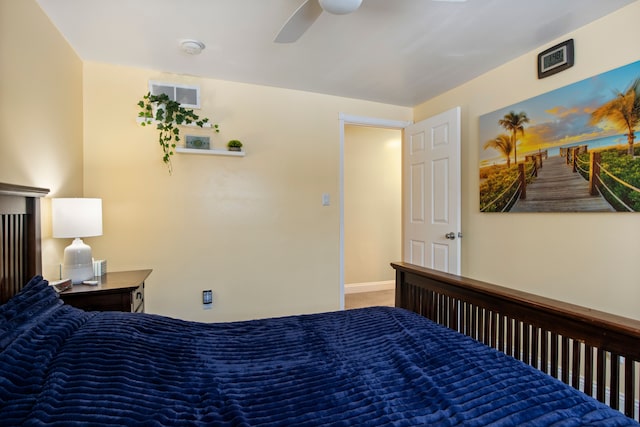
{"x": 78, "y": 262}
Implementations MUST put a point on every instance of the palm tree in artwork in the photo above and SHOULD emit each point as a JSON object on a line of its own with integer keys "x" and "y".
{"x": 623, "y": 111}
{"x": 502, "y": 143}
{"x": 514, "y": 122}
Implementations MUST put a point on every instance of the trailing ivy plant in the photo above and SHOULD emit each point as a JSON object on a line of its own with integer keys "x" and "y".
{"x": 168, "y": 115}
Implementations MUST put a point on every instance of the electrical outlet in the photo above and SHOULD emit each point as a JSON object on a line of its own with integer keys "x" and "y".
{"x": 207, "y": 297}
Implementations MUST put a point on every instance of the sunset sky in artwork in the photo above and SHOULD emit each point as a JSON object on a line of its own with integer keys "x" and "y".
{"x": 560, "y": 117}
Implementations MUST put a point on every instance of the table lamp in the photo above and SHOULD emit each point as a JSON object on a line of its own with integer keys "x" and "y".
{"x": 76, "y": 218}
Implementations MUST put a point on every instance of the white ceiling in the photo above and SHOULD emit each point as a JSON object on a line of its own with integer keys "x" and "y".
{"x": 400, "y": 52}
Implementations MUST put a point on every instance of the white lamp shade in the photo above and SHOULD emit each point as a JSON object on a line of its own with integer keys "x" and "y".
{"x": 76, "y": 217}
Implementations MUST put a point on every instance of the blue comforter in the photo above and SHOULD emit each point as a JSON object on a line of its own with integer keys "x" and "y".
{"x": 378, "y": 366}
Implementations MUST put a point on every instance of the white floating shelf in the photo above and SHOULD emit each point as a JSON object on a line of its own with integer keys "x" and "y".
{"x": 211, "y": 152}
{"x": 192, "y": 125}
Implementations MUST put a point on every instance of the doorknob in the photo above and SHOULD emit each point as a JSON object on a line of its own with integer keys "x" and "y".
{"x": 450, "y": 236}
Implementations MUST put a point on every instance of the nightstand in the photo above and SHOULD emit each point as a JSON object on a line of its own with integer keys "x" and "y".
{"x": 117, "y": 291}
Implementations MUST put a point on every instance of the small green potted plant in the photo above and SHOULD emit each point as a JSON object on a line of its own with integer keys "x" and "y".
{"x": 234, "y": 145}
{"x": 168, "y": 115}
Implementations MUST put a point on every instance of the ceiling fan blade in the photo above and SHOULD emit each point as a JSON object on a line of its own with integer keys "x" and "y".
{"x": 299, "y": 22}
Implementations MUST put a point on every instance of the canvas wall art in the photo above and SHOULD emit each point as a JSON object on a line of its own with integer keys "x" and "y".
{"x": 569, "y": 150}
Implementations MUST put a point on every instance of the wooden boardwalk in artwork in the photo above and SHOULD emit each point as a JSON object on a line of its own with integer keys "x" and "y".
{"x": 558, "y": 189}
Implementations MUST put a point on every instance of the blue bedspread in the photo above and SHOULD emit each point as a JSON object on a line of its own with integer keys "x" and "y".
{"x": 378, "y": 366}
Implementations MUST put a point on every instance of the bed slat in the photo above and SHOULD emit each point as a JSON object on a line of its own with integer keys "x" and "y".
{"x": 629, "y": 391}
{"x": 614, "y": 382}
{"x": 565, "y": 360}
{"x": 575, "y": 364}
{"x": 600, "y": 375}
{"x": 588, "y": 369}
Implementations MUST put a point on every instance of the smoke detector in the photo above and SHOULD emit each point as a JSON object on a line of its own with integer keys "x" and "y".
{"x": 192, "y": 47}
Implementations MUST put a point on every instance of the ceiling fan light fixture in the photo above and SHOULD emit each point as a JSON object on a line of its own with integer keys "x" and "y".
{"x": 192, "y": 47}
{"x": 340, "y": 7}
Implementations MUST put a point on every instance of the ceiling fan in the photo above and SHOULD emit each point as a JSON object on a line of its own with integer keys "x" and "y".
{"x": 308, "y": 12}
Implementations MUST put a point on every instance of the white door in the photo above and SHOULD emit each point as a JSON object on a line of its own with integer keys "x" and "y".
{"x": 431, "y": 192}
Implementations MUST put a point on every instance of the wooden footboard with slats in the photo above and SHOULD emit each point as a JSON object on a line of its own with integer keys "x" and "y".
{"x": 595, "y": 352}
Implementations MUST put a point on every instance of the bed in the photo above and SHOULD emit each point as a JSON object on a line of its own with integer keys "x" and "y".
{"x": 375, "y": 366}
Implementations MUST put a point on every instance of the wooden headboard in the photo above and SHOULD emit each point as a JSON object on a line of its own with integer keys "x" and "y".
{"x": 20, "y": 250}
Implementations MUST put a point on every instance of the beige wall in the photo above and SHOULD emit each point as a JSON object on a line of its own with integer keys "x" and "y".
{"x": 588, "y": 259}
{"x": 372, "y": 203}
{"x": 40, "y": 111}
{"x": 252, "y": 229}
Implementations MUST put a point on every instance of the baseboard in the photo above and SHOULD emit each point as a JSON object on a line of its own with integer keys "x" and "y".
{"x": 354, "y": 288}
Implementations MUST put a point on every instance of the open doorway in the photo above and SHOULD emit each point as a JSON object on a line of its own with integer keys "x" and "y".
{"x": 372, "y": 212}
{"x": 371, "y": 204}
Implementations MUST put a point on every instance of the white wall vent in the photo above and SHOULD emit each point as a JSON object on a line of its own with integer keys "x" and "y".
{"x": 187, "y": 96}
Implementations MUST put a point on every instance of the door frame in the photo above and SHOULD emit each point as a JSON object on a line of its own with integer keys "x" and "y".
{"x": 347, "y": 119}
